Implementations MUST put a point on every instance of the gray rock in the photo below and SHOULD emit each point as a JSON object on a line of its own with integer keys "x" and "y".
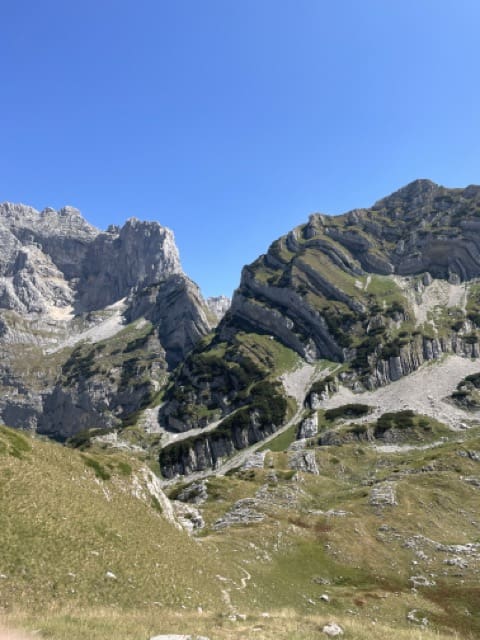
{"x": 332, "y": 629}
{"x": 383, "y": 495}
{"x": 416, "y": 617}
{"x": 243, "y": 512}
{"x": 218, "y": 305}
{"x": 303, "y": 460}
{"x": 188, "y": 516}
{"x": 196, "y": 493}
{"x": 422, "y": 581}
{"x": 473, "y": 455}
{"x": 255, "y": 460}
{"x": 475, "y": 482}
{"x": 308, "y": 427}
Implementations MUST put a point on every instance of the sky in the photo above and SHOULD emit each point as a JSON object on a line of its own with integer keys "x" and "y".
{"x": 230, "y": 121}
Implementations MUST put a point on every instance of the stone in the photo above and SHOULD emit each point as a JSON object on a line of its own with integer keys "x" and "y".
{"x": 174, "y": 636}
{"x": 188, "y": 516}
{"x": 383, "y": 495}
{"x": 427, "y": 279}
{"x": 308, "y": 427}
{"x": 255, "y": 460}
{"x": 243, "y": 512}
{"x": 303, "y": 460}
{"x": 421, "y": 581}
{"x": 218, "y": 305}
{"x": 333, "y": 629}
{"x": 196, "y": 493}
{"x": 416, "y": 617}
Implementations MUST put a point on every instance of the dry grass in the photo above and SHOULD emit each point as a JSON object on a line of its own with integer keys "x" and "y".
{"x": 284, "y": 624}
{"x": 63, "y": 528}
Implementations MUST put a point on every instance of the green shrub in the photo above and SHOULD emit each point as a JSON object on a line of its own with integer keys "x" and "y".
{"x": 474, "y": 378}
{"x": 347, "y": 411}
{"x": 400, "y": 420}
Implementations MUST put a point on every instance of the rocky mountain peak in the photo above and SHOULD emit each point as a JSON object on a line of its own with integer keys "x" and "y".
{"x": 157, "y": 243}
{"x": 22, "y": 220}
{"x": 218, "y": 305}
{"x": 421, "y": 187}
{"x": 63, "y": 281}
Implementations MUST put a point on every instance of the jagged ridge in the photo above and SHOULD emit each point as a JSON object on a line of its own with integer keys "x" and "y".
{"x": 60, "y": 277}
{"x": 381, "y": 290}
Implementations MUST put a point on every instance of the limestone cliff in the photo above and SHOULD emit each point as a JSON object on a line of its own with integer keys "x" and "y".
{"x": 380, "y": 290}
{"x": 75, "y": 303}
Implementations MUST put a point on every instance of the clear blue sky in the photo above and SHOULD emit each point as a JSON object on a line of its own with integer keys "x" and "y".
{"x": 231, "y": 120}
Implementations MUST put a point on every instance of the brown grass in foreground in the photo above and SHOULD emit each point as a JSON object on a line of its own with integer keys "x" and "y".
{"x": 9, "y": 634}
{"x": 286, "y": 624}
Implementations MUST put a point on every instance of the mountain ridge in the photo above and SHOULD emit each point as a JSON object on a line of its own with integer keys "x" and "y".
{"x": 364, "y": 289}
{"x": 308, "y": 464}
{"x": 379, "y": 291}
{"x": 60, "y": 277}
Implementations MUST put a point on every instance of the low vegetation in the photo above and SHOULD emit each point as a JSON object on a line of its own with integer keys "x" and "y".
{"x": 324, "y": 534}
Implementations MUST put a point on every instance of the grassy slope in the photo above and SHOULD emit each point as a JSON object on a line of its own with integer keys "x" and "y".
{"x": 362, "y": 560}
{"x": 63, "y": 528}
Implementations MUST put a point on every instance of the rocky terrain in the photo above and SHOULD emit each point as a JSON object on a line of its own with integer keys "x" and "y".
{"x": 379, "y": 291}
{"x": 302, "y": 462}
{"x": 103, "y": 330}
{"x": 90, "y": 321}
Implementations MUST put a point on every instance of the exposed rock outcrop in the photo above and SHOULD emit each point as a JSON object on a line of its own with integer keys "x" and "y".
{"x": 218, "y": 305}
{"x": 379, "y": 291}
{"x": 61, "y": 282}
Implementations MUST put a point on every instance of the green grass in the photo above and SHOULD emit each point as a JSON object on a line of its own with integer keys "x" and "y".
{"x": 270, "y": 352}
{"x": 13, "y": 443}
{"x": 282, "y": 441}
{"x": 386, "y": 290}
{"x": 63, "y": 528}
{"x": 67, "y": 519}
{"x": 283, "y": 624}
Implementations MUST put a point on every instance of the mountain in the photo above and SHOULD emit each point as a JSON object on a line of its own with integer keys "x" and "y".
{"x": 103, "y": 330}
{"x": 219, "y": 305}
{"x": 90, "y": 322}
{"x": 374, "y": 292}
{"x": 307, "y": 467}
{"x": 380, "y": 540}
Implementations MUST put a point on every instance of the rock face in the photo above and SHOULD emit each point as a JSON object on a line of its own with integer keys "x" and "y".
{"x": 308, "y": 427}
{"x": 122, "y": 292}
{"x": 207, "y": 450}
{"x": 219, "y": 305}
{"x": 315, "y": 284}
{"x": 379, "y": 290}
{"x": 55, "y": 258}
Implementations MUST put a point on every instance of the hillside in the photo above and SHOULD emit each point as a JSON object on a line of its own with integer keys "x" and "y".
{"x": 308, "y": 455}
{"x": 91, "y": 322}
{"x": 382, "y": 541}
{"x": 371, "y": 294}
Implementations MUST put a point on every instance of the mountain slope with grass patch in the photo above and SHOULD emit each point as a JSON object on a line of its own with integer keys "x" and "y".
{"x": 365, "y": 299}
